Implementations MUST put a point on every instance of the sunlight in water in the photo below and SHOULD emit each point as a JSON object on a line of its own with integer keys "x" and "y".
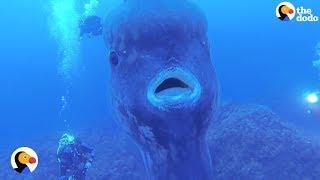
{"x": 64, "y": 28}
{"x": 312, "y": 98}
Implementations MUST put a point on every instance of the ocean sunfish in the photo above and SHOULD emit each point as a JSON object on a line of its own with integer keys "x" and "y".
{"x": 163, "y": 84}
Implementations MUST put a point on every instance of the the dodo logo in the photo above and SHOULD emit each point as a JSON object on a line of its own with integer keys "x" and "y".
{"x": 285, "y": 11}
{"x": 24, "y": 160}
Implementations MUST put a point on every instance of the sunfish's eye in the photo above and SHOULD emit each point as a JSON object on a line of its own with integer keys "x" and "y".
{"x": 113, "y": 58}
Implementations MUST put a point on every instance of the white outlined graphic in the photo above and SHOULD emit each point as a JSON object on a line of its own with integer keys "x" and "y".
{"x": 24, "y": 160}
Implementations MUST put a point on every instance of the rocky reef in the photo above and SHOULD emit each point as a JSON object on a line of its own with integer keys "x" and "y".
{"x": 252, "y": 142}
{"x": 246, "y": 142}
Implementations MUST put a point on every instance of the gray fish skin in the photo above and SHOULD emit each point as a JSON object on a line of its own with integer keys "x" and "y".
{"x": 149, "y": 42}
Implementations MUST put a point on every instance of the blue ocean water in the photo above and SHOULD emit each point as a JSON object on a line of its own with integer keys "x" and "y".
{"x": 51, "y": 85}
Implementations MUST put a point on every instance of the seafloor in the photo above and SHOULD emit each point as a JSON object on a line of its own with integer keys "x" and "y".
{"x": 245, "y": 141}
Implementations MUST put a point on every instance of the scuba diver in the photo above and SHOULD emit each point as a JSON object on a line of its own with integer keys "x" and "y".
{"x": 90, "y": 26}
{"x": 74, "y": 158}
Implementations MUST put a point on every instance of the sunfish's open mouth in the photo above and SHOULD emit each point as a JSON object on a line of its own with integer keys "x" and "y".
{"x": 173, "y": 87}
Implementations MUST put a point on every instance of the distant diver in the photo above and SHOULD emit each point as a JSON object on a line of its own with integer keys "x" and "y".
{"x": 74, "y": 158}
{"x": 90, "y": 26}
{"x": 284, "y": 11}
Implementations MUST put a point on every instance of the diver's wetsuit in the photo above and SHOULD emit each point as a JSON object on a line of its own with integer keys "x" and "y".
{"x": 74, "y": 160}
{"x": 90, "y": 26}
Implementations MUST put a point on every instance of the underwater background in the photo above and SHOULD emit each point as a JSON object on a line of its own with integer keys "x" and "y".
{"x": 53, "y": 82}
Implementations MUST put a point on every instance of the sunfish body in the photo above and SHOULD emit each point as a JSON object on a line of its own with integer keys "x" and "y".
{"x": 164, "y": 84}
